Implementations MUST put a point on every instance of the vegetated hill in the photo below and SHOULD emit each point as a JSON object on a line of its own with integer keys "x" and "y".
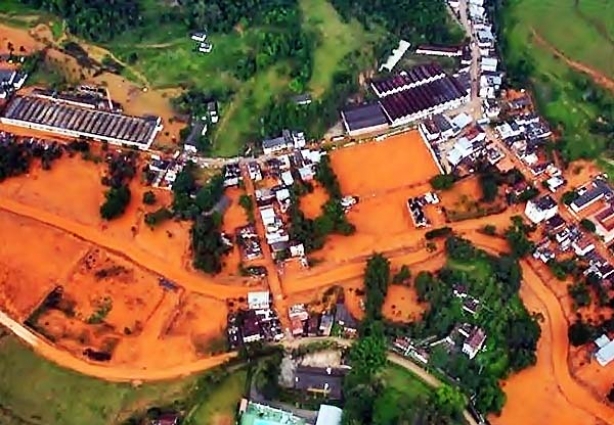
{"x": 414, "y": 20}
{"x": 581, "y": 110}
{"x": 264, "y": 53}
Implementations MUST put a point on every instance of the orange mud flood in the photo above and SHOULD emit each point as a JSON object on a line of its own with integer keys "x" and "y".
{"x": 402, "y": 304}
{"x": 34, "y": 259}
{"x": 311, "y": 203}
{"x": 462, "y": 195}
{"x": 374, "y": 167}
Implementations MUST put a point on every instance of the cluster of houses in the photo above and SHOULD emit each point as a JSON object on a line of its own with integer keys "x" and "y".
{"x": 564, "y": 239}
{"x": 259, "y": 322}
{"x": 297, "y": 163}
{"x": 200, "y": 38}
{"x": 457, "y": 141}
{"x": 11, "y": 80}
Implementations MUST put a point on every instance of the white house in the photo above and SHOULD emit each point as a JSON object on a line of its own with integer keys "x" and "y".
{"x": 199, "y": 36}
{"x": 583, "y": 246}
{"x": 540, "y": 209}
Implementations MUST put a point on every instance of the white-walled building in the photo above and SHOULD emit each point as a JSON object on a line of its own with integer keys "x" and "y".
{"x": 540, "y": 209}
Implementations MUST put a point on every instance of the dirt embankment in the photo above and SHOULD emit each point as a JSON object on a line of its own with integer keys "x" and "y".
{"x": 598, "y": 77}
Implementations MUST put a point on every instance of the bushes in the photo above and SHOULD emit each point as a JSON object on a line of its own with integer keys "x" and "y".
{"x": 580, "y": 333}
{"x": 158, "y": 216}
{"x": 438, "y": 233}
{"x": 580, "y": 294}
{"x": 117, "y": 200}
{"x": 569, "y": 196}
{"x": 247, "y": 204}
{"x": 149, "y": 198}
{"x": 402, "y": 276}
{"x": 442, "y": 182}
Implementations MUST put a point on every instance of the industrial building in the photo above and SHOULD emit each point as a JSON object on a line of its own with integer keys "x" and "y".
{"x": 72, "y": 119}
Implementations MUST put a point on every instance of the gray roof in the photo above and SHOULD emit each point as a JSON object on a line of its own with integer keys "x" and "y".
{"x": 324, "y": 379}
{"x": 275, "y": 142}
{"x": 364, "y": 116}
{"x": 342, "y": 314}
{"x": 600, "y": 188}
{"x": 545, "y": 202}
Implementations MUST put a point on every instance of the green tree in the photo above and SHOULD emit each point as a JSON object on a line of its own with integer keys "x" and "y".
{"x": 569, "y": 196}
{"x": 149, "y": 198}
{"x": 402, "y": 276}
{"x": 588, "y": 225}
{"x": 580, "y": 333}
{"x": 116, "y": 202}
{"x": 442, "y": 181}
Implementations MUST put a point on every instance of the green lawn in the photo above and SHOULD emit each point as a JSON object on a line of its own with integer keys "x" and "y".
{"x": 223, "y": 403}
{"x": 403, "y": 381}
{"x": 38, "y": 392}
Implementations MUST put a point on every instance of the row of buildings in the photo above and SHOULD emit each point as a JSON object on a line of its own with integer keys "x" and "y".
{"x": 404, "y": 98}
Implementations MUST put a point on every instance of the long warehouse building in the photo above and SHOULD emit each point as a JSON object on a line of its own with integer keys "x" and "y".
{"x": 72, "y": 120}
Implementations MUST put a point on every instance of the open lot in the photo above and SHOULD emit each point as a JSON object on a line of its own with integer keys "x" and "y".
{"x": 33, "y": 260}
{"x": 402, "y": 304}
{"x": 375, "y": 168}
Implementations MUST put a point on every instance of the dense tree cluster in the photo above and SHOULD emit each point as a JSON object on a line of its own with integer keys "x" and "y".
{"x": 517, "y": 239}
{"x": 121, "y": 170}
{"x": 312, "y": 233}
{"x": 223, "y": 15}
{"x": 93, "y": 19}
{"x": 318, "y": 116}
{"x": 367, "y": 398}
{"x": 417, "y": 21}
{"x": 194, "y": 202}
{"x": 116, "y": 202}
{"x": 208, "y": 248}
{"x": 512, "y": 332}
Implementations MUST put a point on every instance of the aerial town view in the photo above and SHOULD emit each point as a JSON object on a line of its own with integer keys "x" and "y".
{"x": 307, "y": 212}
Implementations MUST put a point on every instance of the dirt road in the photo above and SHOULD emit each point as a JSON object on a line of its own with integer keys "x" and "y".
{"x": 595, "y": 75}
{"x": 99, "y": 370}
{"x": 201, "y": 284}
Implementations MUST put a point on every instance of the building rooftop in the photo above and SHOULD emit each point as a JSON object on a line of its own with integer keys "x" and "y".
{"x": 92, "y": 122}
{"x": 260, "y": 414}
{"x": 329, "y": 415}
{"x": 415, "y": 76}
{"x": 422, "y": 97}
{"x": 342, "y": 315}
{"x": 605, "y": 354}
{"x": 544, "y": 203}
{"x": 364, "y": 116}
{"x": 599, "y": 188}
{"x": 323, "y": 380}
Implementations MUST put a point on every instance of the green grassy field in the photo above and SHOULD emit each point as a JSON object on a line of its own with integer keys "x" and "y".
{"x": 223, "y": 403}
{"x": 557, "y": 97}
{"x": 38, "y": 392}
{"x": 585, "y": 33}
{"x": 336, "y": 39}
{"x": 403, "y": 381}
